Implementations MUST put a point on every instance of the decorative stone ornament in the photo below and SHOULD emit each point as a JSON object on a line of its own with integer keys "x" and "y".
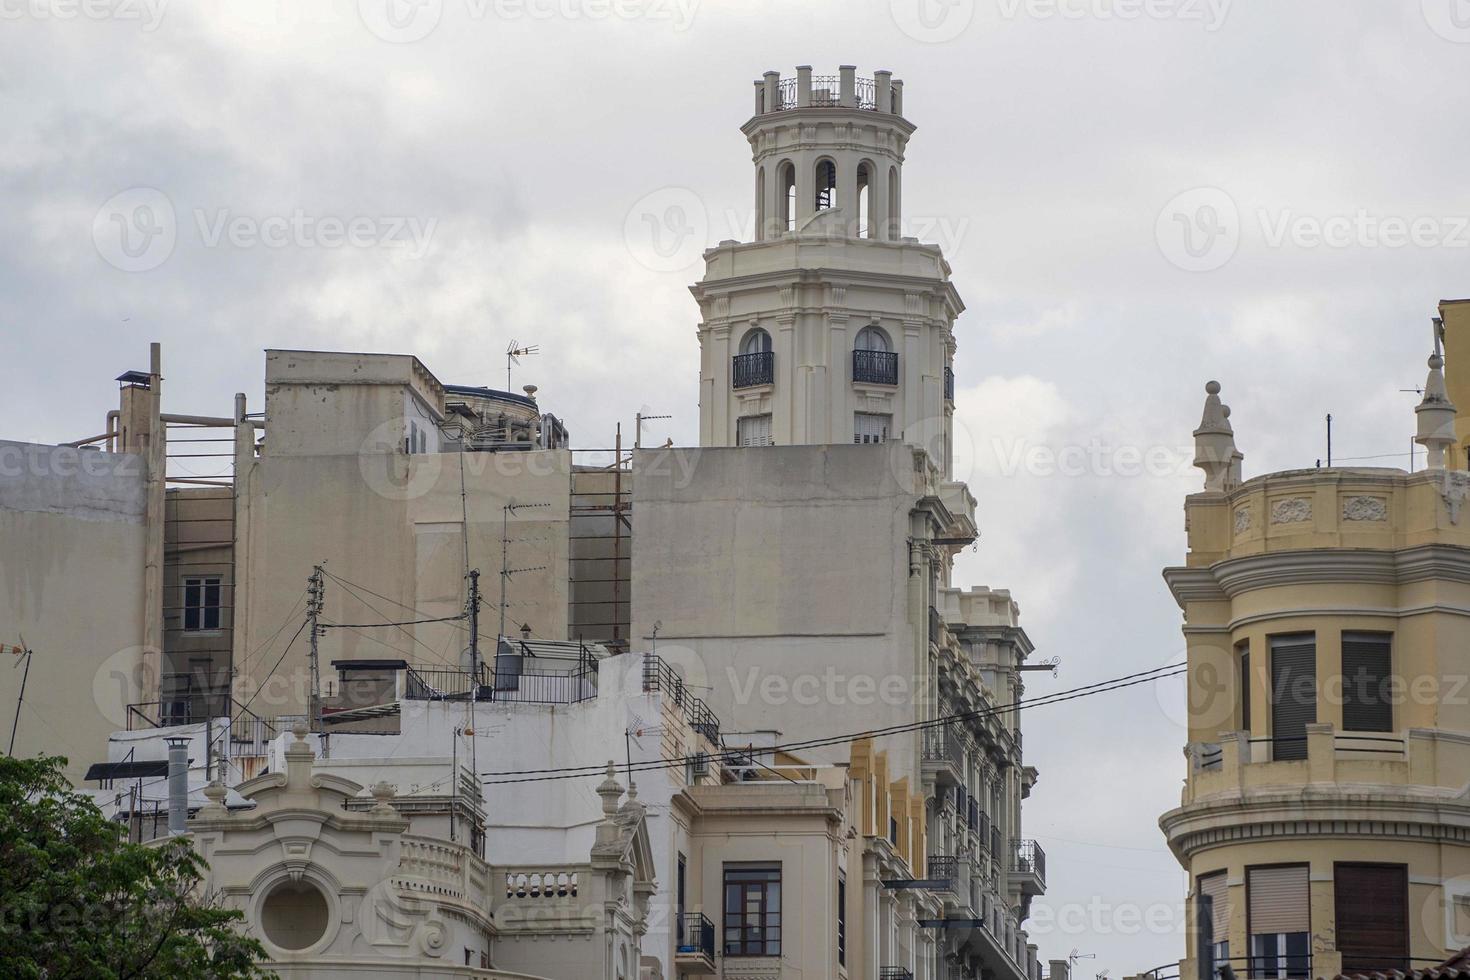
{"x": 1365, "y": 509}
{"x": 1214, "y": 444}
{"x": 1436, "y": 414}
{"x": 1292, "y": 510}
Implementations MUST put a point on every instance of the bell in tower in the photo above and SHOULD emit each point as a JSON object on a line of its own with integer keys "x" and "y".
{"x": 831, "y": 326}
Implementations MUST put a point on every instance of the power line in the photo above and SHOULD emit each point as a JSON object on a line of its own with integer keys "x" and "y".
{"x": 1087, "y": 690}
{"x": 406, "y": 622}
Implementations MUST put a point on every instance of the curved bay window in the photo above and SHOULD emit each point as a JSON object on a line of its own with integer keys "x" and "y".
{"x": 872, "y": 360}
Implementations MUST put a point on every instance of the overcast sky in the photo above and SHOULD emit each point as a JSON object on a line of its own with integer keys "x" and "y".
{"x": 1135, "y": 197}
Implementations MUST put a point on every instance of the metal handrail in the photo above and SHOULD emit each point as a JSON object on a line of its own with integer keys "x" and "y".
{"x": 878, "y": 367}
{"x": 749, "y": 370}
{"x": 696, "y": 934}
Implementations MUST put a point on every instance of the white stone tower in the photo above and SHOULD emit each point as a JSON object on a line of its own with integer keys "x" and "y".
{"x": 830, "y": 327}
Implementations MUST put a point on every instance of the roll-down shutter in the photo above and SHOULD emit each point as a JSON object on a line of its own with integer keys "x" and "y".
{"x": 1293, "y": 694}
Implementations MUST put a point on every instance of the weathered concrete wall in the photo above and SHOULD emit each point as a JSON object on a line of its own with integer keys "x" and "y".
{"x": 779, "y": 576}
{"x": 394, "y": 525}
{"x": 71, "y": 582}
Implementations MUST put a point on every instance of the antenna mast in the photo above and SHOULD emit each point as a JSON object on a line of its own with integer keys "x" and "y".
{"x": 316, "y": 591}
{"x": 513, "y": 355}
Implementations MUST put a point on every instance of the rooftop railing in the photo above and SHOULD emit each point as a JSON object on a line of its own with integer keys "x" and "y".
{"x": 659, "y": 676}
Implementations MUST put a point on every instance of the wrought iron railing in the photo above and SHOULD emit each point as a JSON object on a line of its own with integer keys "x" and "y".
{"x": 866, "y": 93}
{"x": 1027, "y": 857}
{"x": 785, "y": 95}
{"x": 750, "y": 370}
{"x": 949, "y": 384}
{"x": 696, "y": 934}
{"x": 521, "y": 686}
{"x": 943, "y": 744}
{"x": 826, "y": 90}
{"x": 879, "y": 367}
{"x": 659, "y": 676}
{"x": 895, "y": 973}
{"x": 936, "y": 626}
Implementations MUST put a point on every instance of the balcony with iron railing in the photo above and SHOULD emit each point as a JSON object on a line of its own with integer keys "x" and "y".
{"x": 944, "y": 755}
{"x": 949, "y": 384}
{"x": 951, "y": 873}
{"x": 694, "y": 949}
{"x": 1028, "y": 866}
{"x": 751, "y": 370}
{"x": 825, "y": 92}
{"x": 875, "y": 367}
{"x": 895, "y": 973}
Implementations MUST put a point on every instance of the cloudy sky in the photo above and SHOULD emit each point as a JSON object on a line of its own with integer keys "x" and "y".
{"x": 1135, "y": 197}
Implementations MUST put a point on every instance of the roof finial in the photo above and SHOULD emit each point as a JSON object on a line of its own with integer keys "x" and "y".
{"x": 1214, "y": 443}
{"x": 1436, "y": 413}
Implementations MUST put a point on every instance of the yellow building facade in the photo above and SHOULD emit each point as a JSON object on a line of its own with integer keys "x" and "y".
{"x": 1325, "y": 817}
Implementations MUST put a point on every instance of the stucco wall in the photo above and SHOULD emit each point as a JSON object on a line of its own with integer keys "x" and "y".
{"x": 71, "y": 582}
{"x": 393, "y": 524}
{"x": 749, "y": 559}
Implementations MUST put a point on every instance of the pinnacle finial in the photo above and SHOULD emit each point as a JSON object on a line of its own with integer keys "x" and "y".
{"x": 1436, "y": 414}
{"x": 1214, "y": 443}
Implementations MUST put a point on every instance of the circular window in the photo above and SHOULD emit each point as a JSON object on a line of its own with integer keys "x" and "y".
{"x": 294, "y": 915}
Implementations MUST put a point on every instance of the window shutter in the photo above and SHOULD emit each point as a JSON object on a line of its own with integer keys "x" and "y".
{"x": 1372, "y": 916}
{"x": 1278, "y": 900}
{"x": 1293, "y": 694}
{"x": 1215, "y": 889}
{"x": 1366, "y": 665}
{"x": 1244, "y": 650}
{"x": 754, "y": 430}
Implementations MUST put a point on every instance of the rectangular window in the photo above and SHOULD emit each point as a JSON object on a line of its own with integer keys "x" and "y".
{"x": 679, "y": 900}
{"x": 1293, "y": 693}
{"x": 1372, "y": 903}
{"x": 752, "y": 910}
{"x": 1213, "y": 922}
{"x": 1367, "y": 700}
{"x": 868, "y": 427}
{"x": 1243, "y": 651}
{"x": 1279, "y": 920}
{"x": 842, "y": 920}
{"x": 201, "y": 603}
{"x": 753, "y": 430}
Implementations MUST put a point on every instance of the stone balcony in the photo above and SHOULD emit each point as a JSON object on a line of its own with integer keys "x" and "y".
{"x": 1411, "y": 779}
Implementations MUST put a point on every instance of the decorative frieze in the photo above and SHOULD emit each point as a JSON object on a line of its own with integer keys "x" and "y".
{"x": 1365, "y": 508}
{"x": 1242, "y": 520}
{"x": 1291, "y": 510}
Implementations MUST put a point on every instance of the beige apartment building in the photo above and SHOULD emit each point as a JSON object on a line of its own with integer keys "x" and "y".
{"x": 1324, "y": 821}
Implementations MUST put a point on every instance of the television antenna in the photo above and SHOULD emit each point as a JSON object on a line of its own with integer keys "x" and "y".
{"x": 513, "y": 355}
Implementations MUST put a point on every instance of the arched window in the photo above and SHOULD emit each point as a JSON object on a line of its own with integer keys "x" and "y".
{"x": 826, "y": 185}
{"x": 786, "y": 195}
{"x": 756, "y": 342}
{"x": 864, "y": 197}
{"x": 871, "y": 338}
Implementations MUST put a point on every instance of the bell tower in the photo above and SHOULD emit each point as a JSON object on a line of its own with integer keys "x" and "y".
{"x": 831, "y": 326}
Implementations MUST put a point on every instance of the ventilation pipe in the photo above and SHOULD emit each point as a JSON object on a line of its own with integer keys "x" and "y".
{"x": 178, "y": 785}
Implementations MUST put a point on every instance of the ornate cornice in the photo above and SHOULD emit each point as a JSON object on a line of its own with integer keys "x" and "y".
{"x": 1227, "y": 579}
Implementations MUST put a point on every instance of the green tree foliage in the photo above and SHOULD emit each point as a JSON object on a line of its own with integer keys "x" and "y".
{"x": 76, "y": 900}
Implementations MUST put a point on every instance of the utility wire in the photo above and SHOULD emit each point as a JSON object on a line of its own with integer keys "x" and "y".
{"x": 1101, "y": 687}
{"x": 406, "y": 622}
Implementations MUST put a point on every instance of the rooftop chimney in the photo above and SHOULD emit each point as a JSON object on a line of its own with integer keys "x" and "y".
{"x": 178, "y": 784}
